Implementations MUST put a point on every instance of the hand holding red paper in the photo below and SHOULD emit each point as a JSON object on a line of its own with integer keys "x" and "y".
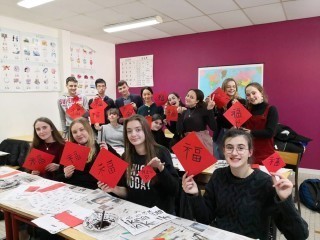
{"x": 237, "y": 114}
{"x": 37, "y": 160}
{"x": 127, "y": 110}
{"x": 97, "y": 115}
{"x": 108, "y": 168}
{"x": 193, "y": 155}
{"x": 172, "y": 113}
{"x": 220, "y": 97}
{"x": 273, "y": 163}
{"x": 147, "y": 173}
{"x": 76, "y": 155}
{"x": 75, "y": 111}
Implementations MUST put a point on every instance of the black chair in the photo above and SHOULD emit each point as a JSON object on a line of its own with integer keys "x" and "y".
{"x": 17, "y": 150}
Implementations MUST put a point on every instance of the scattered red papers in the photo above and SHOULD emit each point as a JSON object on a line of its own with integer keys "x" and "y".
{"x": 149, "y": 120}
{"x": 37, "y": 160}
{"x": 75, "y": 111}
{"x": 32, "y": 189}
{"x": 68, "y": 219}
{"x": 127, "y": 110}
{"x": 160, "y": 98}
{"x": 9, "y": 174}
{"x": 193, "y": 155}
{"x": 274, "y": 162}
{"x": 97, "y": 115}
{"x": 108, "y": 168}
{"x": 146, "y": 174}
{"x": 98, "y": 103}
{"x": 172, "y": 113}
{"x": 52, "y": 187}
{"x": 75, "y": 154}
{"x": 237, "y": 114}
{"x": 220, "y": 97}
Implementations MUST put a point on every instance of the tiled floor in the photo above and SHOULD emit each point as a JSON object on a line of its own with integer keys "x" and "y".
{"x": 313, "y": 218}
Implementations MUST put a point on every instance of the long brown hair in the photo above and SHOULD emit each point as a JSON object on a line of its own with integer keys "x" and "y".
{"x": 91, "y": 141}
{"x": 149, "y": 143}
{"x": 260, "y": 89}
{"x": 55, "y": 133}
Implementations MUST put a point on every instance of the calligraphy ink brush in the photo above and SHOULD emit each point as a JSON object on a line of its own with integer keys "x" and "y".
{"x": 102, "y": 219}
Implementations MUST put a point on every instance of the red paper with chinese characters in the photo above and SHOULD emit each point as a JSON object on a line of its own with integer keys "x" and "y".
{"x": 108, "y": 168}
{"x": 149, "y": 120}
{"x": 160, "y": 98}
{"x": 37, "y": 160}
{"x": 237, "y": 114}
{"x": 273, "y": 163}
{"x": 75, "y": 154}
{"x": 127, "y": 110}
{"x": 98, "y": 103}
{"x": 220, "y": 97}
{"x": 193, "y": 155}
{"x": 172, "y": 113}
{"x": 146, "y": 174}
{"x": 68, "y": 219}
{"x": 75, "y": 111}
{"x": 97, "y": 115}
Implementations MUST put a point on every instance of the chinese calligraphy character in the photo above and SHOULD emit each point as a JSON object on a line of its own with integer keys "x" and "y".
{"x": 110, "y": 166}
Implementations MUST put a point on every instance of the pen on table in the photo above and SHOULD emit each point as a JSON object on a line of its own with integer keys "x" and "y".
{"x": 102, "y": 219}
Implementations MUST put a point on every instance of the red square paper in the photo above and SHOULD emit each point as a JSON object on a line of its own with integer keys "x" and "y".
{"x": 97, "y": 115}
{"x": 108, "y": 168}
{"x": 75, "y": 111}
{"x": 52, "y": 187}
{"x": 172, "y": 113}
{"x": 98, "y": 103}
{"x": 220, "y": 97}
{"x": 127, "y": 110}
{"x": 274, "y": 162}
{"x": 37, "y": 160}
{"x": 68, "y": 219}
{"x": 160, "y": 98}
{"x": 75, "y": 154}
{"x": 193, "y": 155}
{"x": 146, "y": 174}
{"x": 149, "y": 120}
{"x": 237, "y": 114}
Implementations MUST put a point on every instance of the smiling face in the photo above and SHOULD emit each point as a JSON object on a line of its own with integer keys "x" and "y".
{"x": 173, "y": 100}
{"x": 237, "y": 152}
{"x": 254, "y": 96}
{"x": 79, "y": 133}
{"x": 44, "y": 131}
{"x": 191, "y": 99}
{"x": 72, "y": 88}
{"x": 231, "y": 88}
{"x": 147, "y": 96}
{"x": 135, "y": 133}
{"x": 123, "y": 90}
{"x": 156, "y": 125}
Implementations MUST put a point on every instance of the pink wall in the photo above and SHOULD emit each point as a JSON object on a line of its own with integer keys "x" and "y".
{"x": 289, "y": 50}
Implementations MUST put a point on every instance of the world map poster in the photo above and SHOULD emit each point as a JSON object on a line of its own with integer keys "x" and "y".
{"x": 210, "y": 78}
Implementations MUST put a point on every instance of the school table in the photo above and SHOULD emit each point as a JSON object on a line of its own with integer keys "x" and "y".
{"x": 15, "y": 212}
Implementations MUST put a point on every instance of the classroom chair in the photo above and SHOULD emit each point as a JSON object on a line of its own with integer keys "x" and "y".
{"x": 17, "y": 150}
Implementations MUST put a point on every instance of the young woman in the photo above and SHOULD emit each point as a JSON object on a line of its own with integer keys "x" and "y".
{"x": 82, "y": 134}
{"x": 141, "y": 150}
{"x": 262, "y": 124}
{"x": 197, "y": 117}
{"x": 243, "y": 200}
{"x": 112, "y": 133}
{"x": 46, "y": 138}
{"x": 230, "y": 87}
{"x": 149, "y": 107}
{"x": 157, "y": 132}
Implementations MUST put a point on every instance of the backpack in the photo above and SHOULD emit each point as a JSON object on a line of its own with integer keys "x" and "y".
{"x": 309, "y": 193}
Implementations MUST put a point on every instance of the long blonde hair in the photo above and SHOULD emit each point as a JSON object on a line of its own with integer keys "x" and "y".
{"x": 91, "y": 141}
{"x": 224, "y": 87}
{"x": 149, "y": 143}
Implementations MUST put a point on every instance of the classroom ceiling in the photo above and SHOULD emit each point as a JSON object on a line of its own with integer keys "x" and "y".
{"x": 180, "y": 17}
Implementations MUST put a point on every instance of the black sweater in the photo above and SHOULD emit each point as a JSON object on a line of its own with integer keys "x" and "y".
{"x": 244, "y": 206}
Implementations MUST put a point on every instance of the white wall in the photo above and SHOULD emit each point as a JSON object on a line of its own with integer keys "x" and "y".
{"x": 19, "y": 110}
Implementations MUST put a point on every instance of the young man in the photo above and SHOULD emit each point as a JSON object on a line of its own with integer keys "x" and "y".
{"x": 101, "y": 87}
{"x": 127, "y": 98}
{"x": 67, "y": 100}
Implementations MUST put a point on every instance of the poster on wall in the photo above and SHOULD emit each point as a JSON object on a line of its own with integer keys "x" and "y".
{"x": 28, "y": 61}
{"x": 83, "y": 68}
{"x": 210, "y": 78}
{"x": 137, "y": 71}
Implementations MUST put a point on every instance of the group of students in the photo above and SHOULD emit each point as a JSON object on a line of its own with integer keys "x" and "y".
{"x": 237, "y": 198}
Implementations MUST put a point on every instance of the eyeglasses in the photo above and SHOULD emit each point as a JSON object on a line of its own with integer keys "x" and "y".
{"x": 240, "y": 149}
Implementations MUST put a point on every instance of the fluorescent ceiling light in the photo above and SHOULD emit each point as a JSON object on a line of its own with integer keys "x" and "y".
{"x": 133, "y": 24}
{"x": 32, "y": 3}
